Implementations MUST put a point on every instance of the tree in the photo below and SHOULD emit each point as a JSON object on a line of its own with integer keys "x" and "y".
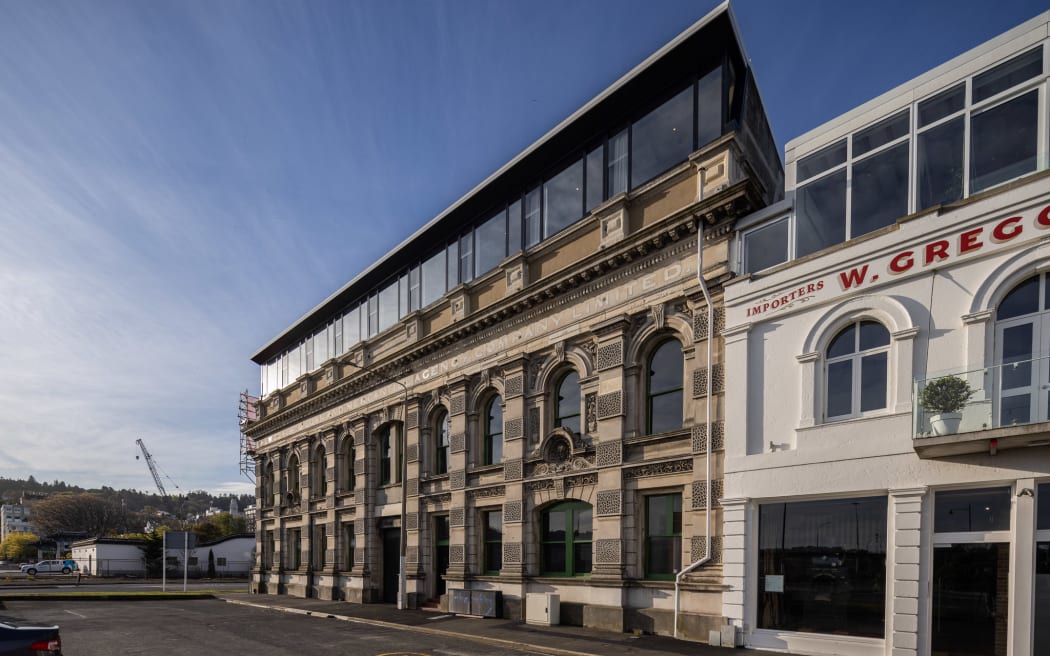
{"x": 218, "y": 526}
{"x": 211, "y": 564}
{"x": 89, "y": 513}
{"x": 18, "y": 546}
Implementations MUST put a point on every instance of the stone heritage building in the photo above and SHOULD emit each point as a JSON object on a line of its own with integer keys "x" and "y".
{"x": 526, "y": 395}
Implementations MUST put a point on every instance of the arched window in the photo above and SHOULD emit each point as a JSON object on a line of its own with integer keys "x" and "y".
{"x": 1022, "y": 336}
{"x": 566, "y": 539}
{"x": 567, "y": 402}
{"x": 267, "y": 485}
{"x": 349, "y": 464}
{"x": 492, "y": 438}
{"x": 856, "y": 370}
{"x": 294, "y": 479}
{"x": 442, "y": 428}
{"x": 388, "y": 472}
{"x": 318, "y": 478}
{"x": 664, "y": 398}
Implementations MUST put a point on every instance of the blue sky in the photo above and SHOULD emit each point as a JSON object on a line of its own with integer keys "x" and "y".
{"x": 180, "y": 181}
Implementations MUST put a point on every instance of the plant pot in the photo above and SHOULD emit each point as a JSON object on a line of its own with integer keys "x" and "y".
{"x": 946, "y": 423}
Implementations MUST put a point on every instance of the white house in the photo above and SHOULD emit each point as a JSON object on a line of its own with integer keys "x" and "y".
{"x": 234, "y": 555}
{"x": 110, "y": 557}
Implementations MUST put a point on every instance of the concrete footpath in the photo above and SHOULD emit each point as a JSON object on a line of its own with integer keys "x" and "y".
{"x": 556, "y": 640}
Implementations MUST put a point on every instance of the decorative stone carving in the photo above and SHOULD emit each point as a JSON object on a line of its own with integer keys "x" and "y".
{"x": 412, "y": 487}
{"x": 658, "y": 314}
{"x": 412, "y": 555}
{"x": 697, "y": 548}
{"x": 700, "y": 493}
{"x": 590, "y": 412}
{"x": 534, "y": 425}
{"x": 610, "y": 454}
{"x": 412, "y": 452}
{"x": 413, "y": 419}
{"x": 700, "y": 322}
{"x": 540, "y": 485}
{"x": 534, "y": 373}
{"x": 699, "y": 437}
{"x": 457, "y": 442}
{"x": 609, "y": 355}
{"x": 513, "y": 429}
{"x": 559, "y": 350}
{"x": 486, "y": 379}
{"x": 582, "y": 480}
{"x": 487, "y": 492}
{"x": 459, "y": 404}
{"x": 608, "y": 552}
{"x": 664, "y": 468}
{"x": 610, "y": 405}
{"x": 512, "y": 469}
{"x": 513, "y": 387}
{"x": 512, "y": 552}
{"x": 457, "y": 480}
{"x": 609, "y": 503}
{"x": 512, "y": 512}
{"x": 457, "y": 517}
{"x": 456, "y": 554}
{"x": 412, "y": 521}
{"x": 718, "y": 380}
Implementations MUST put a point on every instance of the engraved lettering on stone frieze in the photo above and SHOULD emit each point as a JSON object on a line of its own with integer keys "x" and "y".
{"x": 659, "y": 468}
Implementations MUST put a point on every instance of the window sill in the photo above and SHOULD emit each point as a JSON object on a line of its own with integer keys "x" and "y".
{"x": 482, "y": 469}
{"x": 683, "y": 432}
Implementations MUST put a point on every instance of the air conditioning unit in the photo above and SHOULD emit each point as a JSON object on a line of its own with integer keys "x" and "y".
{"x": 543, "y": 608}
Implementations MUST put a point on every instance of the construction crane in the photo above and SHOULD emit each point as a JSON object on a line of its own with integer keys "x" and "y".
{"x": 153, "y": 469}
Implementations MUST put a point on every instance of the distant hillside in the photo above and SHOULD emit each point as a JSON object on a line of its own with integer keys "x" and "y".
{"x": 134, "y": 501}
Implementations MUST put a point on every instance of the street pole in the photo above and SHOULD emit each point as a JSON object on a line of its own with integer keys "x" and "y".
{"x": 402, "y": 577}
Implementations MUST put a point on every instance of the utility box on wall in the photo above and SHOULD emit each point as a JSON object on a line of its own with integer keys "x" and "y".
{"x": 543, "y": 608}
{"x": 484, "y": 603}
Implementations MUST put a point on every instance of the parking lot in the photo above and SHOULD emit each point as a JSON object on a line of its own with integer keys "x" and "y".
{"x": 213, "y": 627}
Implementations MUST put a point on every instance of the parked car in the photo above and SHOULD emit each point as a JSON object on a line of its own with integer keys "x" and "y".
{"x": 45, "y": 566}
{"x": 19, "y": 638}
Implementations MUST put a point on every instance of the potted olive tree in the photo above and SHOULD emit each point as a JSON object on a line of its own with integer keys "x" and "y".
{"x": 945, "y": 398}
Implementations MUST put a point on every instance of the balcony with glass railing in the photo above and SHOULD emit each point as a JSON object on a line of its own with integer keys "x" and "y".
{"x": 983, "y": 410}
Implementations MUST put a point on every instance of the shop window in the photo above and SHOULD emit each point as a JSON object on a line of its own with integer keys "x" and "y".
{"x": 822, "y": 567}
{"x": 442, "y": 428}
{"x": 1022, "y": 337}
{"x": 967, "y": 511}
{"x": 492, "y": 436}
{"x": 1042, "y": 570}
{"x": 318, "y": 480}
{"x": 567, "y": 402}
{"x": 664, "y": 397}
{"x": 856, "y": 373}
{"x": 492, "y": 525}
{"x": 663, "y": 536}
{"x": 566, "y": 539}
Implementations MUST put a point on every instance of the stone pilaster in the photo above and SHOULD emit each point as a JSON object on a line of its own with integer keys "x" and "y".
{"x": 905, "y": 507}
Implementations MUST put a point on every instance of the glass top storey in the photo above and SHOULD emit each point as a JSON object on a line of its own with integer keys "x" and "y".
{"x": 658, "y": 135}
{"x": 986, "y": 127}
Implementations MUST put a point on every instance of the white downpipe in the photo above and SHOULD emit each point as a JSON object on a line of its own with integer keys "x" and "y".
{"x": 710, "y": 340}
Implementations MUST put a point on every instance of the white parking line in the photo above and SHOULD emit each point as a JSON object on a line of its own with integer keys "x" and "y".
{"x": 83, "y": 617}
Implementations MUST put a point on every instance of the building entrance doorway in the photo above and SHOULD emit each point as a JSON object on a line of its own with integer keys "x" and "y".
{"x": 441, "y": 539}
{"x": 391, "y": 563}
{"x": 971, "y": 573}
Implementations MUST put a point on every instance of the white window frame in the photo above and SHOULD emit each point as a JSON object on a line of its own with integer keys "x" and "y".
{"x": 856, "y": 356}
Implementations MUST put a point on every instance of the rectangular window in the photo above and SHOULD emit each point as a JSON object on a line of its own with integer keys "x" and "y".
{"x": 563, "y": 199}
{"x": 616, "y": 180}
{"x": 880, "y": 190}
{"x": 337, "y": 338}
{"x": 386, "y": 460}
{"x": 452, "y": 257}
{"x": 767, "y": 246}
{"x": 1008, "y": 74}
{"x": 663, "y": 536}
{"x": 349, "y": 546}
{"x": 310, "y": 364}
{"x": 822, "y": 567}
{"x": 388, "y": 306}
{"x": 433, "y": 278}
{"x": 710, "y": 106}
{"x": 965, "y": 511}
{"x": 294, "y": 549}
{"x": 533, "y": 217}
{"x": 321, "y": 347}
{"x": 403, "y": 295}
{"x": 824, "y": 159}
{"x": 351, "y": 328}
{"x": 373, "y": 315}
{"x": 1042, "y": 571}
{"x": 491, "y": 243}
{"x": 221, "y": 562}
{"x": 662, "y": 138}
{"x": 595, "y": 169}
{"x": 940, "y": 163}
{"x": 492, "y": 521}
{"x": 514, "y": 228}
{"x": 1003, "y": 142}
{"x": 466, "y": 257}
{"x": 820, "y": 208}
{"x": 413, "y": 289}
{"x": 319, "y": 544}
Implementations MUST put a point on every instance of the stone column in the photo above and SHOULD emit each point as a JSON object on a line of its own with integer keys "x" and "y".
{"x": 361, "y": 589}
{"x": 735, "y": 562}
{"x": 415, "y": 585}
{"x": 515, "y": 449}
{"x": 1022, "y": 559}
{"x": 460, "y": 448}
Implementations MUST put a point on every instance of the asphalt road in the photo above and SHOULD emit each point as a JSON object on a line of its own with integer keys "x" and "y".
{"x": 211, "y": 627}
{"x": 65, "y": 584}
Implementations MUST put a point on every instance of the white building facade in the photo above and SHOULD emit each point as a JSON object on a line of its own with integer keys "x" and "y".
{"x": 909, "y": 262}
{"x": 14, "y": 517}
